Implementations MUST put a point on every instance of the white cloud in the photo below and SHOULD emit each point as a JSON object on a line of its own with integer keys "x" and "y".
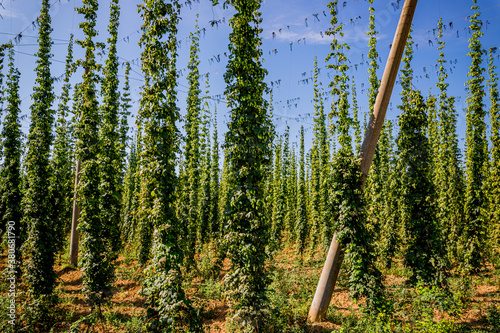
{"x": 289, "y": 24}
{"x": 7, "y": 11}
{"x": 353, "y": 35}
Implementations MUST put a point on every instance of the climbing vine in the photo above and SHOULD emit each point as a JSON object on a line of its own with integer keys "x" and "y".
{"x": 10, "y": 174}
{"x": 124, "y": 114}
{"x": 97, "y": 270}
{"x": 278, "y": 195}
{"x": 320, "y": 157}
{"x": 476, "y": 153}
{"x": 301, "y": 227}
{"x": 203, "y": 231}
{"x": 62, "y": 181}
{"x": 423, "y": 243}
{"x": 37, "y": 200}
{"x": 494, "y": 178}
{"x": 168, "y": 309}
{"x": 110, "y": 162}
{"x": 346, "y": 205}
{"x": 215, "y": 182}
{"x": 448, "y": 175}
{"x": 192, "y": 154}
{"x": 247, "y": 142}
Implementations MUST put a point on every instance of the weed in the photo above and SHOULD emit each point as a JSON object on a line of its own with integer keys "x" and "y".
{"x": 211, "y": 289}
{"x": 493, "y": 319}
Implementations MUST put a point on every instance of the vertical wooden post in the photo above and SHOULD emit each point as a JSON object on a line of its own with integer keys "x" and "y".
{"x": 333, "y": 261}
{"x": 75, "y": 235}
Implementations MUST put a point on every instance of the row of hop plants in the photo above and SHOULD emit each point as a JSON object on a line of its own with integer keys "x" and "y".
{"x": 419, "y": 202}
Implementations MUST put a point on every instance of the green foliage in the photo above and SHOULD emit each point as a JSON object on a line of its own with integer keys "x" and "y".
{"x": 212, "y": 290}
{"x": 434, "y": 143}
{"x": 301, "y": 226}
{"x": 96, "y": 260}
{"x": 131, "y": 189}
{"x": 282, "y": 191}
{"x": 62, "y": 182}
{"x": 10, "y": 174}
{"x": 204, "y": 227}
{"x": 286, "y": 174}
{"x": 494, "y": 178}
{"x": 379, "y": 189}
{"x": 423, "y": 244}
{"x": 340, "y": 103}
{"x": 3, "y": 47}
{"x": 432, "y": 132}
{"x": 391, "y": 230}
{"x": 290, "y": 294}
{"x": 192, "y": 154}
{"x": 3, "y": 226}
{"x": 291, "y": 199}
{"x": 314, "y": 194}
{"x": 124, "y": 115}
{"x": 373, "y": 56}
{"x": 144, "y": 223}
{"x": 215, "y": 182}
{"x": 209, "y": 211}
{"x": 247, "y": 142}
{"x": 223, "y": 197}
{"x": 109, "y": 159}
{"x": 448, "y": 176}
{"x": 356, "y": 124}
{"x": 346, "y": 206}
{"x": 380, "y": 192}
{"x": 269, "y": 177}
{"x": 168, "y": 309}
{"x": 416, "y": 314}
{"x": 493, "y": 319}
{"x": 278, "y": 197}
{"x": 476, "y": 154}
{"x": 37, "y": 200}
{"x": 340, "y": 83}
{"x": 348, "y": 210}
{"x": 130, "y": 203}
{"x": 320, "y": 157}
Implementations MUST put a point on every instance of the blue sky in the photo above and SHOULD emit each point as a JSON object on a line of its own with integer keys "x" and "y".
{"x": 293, "y": 35}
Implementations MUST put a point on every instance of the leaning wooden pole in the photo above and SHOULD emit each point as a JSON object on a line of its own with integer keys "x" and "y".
{"x": 333, "y": 261}
{"x": 75, "y": 235}
{"x": 73, "y": 247}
